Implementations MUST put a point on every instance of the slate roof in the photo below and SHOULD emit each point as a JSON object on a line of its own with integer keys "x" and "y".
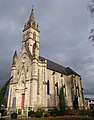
{"x": 90, "y": 99}
{"x": 58, "y": 68}
{"x": 53, "y": 66}
{"x": 70, "y": 71}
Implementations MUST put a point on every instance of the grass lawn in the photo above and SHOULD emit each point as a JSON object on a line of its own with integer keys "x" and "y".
{"x": 63, "y": 118}
{"x": 68, "y": 119}
{"x": 60, "y": 118}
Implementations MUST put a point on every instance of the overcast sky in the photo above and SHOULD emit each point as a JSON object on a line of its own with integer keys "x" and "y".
{"x": 64, "y": 30}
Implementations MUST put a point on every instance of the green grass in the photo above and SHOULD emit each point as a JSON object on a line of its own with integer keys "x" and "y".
{"x": 83, "y": 118}
{"x": 69, "y": 119}
{"x": 64, "y": 119}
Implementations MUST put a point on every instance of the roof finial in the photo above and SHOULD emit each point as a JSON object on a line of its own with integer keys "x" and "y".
{"x": 14, "y": 57}
{"x": 32, "y": 7}
{"x": 15, "y": 54}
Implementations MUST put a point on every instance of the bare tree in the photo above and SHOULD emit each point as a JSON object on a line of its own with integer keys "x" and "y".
{"x": 91, "y": 9}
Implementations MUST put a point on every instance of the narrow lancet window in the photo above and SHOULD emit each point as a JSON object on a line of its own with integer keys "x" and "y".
{"x": 34, "y": 36}
{"x": 48, "y": 87}
{"x": 56, "y": 87}
{"x": 38, "y": 83}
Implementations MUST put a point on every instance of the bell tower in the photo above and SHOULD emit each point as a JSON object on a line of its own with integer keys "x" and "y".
{"x": 31, "y": 40}
{"x": 31, "y": 35}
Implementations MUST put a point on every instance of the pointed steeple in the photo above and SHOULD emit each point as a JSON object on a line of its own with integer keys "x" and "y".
{"x": 15, "y": 54}
{"x": 32, "y": 16}
{"x": 14, "y": 58}
{"x": 31, "y": 22}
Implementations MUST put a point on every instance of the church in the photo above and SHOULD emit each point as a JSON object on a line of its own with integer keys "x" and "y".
{"x": 36, "y": 81}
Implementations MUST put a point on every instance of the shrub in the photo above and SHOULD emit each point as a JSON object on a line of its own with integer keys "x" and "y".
{"x": 89, "y": 112}
{"x": 69, "y": 112}
{"x": 14, "y": 115}
{"x": 46, "y": 114}
{"x": 3, "y": 112}
{"x": 72, "y": 112}
{"x": 38, "y": 114}
{"x": 54, "y": 112}
{"x": 86, "y": 112}
{"x": 93, "y": 113}
{"x": 79, "y": 112}
{"x": 51, "y": 111}
{"x": 75, "y": 102}
{"x": 82, "y": 112}
{"x": 31, "y": 113}
{"x": 19, "y": 111}
{"x": 62, "y": 101}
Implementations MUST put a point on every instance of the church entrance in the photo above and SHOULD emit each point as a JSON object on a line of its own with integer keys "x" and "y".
{"x": 23, "y": 100}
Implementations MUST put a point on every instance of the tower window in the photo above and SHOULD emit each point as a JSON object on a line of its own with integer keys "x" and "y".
{"x": 34, "y": 48}
{"x": 34, "y": 36}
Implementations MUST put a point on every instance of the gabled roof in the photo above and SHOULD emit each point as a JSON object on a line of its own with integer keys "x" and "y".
{"x": 58, "y": 68}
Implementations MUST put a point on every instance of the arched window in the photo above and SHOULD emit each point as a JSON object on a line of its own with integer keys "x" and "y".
{"x": 38, "y": 83}
{"x": 64, "y": 87}
{"x": 78, "y": 92}
{"x": 56, "y": 87}
{"x": 35, "y": 47}
{"x": 34, "y": 36}
{"x": 33, "y": 50}
{"x": 48, "y": 87}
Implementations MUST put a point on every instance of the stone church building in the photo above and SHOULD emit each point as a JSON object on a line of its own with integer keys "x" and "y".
{"x": 36, "y": 80}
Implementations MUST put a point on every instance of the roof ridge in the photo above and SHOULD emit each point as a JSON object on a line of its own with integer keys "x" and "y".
{"x": 72, "y": 71}
{"x": 59, "y": 68}
{"x": 53, "y": 62}
{"x": 54, "y": 66}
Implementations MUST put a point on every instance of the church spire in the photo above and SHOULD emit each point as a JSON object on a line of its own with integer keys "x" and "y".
{"x": 15, "y": 54}
{"x": 31, "y": 22}
{"x": 32, "y": 16}
{"x": 14, "y": 58}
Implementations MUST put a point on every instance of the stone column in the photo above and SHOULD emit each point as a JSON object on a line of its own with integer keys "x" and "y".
{"x": 34, "y": 84}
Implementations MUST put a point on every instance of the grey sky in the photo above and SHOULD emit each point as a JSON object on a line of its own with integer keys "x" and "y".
{"x": 64, "y": 29}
